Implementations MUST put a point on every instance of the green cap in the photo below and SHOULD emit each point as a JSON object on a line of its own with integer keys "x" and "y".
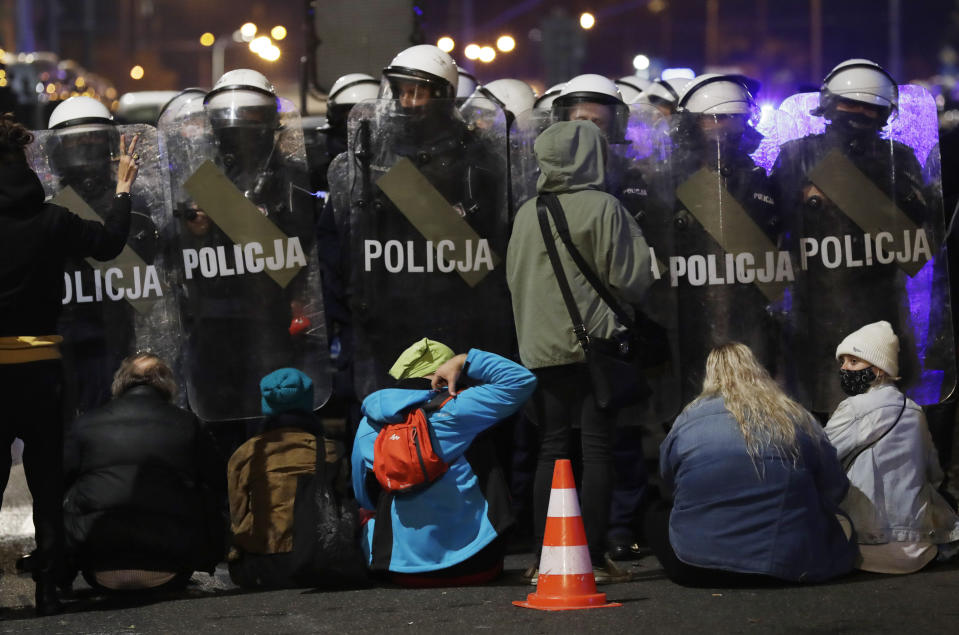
{"x": 421, "y": 359}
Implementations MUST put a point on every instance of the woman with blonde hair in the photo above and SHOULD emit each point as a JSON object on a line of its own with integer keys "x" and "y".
{"x": 756, "y": 485}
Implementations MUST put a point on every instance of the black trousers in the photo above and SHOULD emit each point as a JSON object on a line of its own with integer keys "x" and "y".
{"x": 657, "y": 535}
{"x": 564, "y": 398}
{"x": 31, "y": 396}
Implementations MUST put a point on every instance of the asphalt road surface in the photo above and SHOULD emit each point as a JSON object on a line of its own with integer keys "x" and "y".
{"x": 927, "y": 602}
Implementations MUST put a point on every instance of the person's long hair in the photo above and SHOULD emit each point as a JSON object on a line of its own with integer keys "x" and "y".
{"x": 768, "y": 419}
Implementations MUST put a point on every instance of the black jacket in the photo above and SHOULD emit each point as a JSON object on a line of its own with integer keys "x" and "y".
{"x": 145, "y": 488}
{"x": 35, "y": 239}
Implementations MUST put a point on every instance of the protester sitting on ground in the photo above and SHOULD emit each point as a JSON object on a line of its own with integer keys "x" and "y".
{"x": 145, "y": 502}
{"x": 756, "y": 485}
{"x": 902, "y": 523}
{"x": 448, "y": 531}
{"x": 289, "y": 527}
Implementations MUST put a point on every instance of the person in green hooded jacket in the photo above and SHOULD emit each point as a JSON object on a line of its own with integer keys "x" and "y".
{"x": 573, "y": 158}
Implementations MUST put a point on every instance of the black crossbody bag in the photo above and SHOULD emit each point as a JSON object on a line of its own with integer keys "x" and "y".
{"x": 615, "y": 364}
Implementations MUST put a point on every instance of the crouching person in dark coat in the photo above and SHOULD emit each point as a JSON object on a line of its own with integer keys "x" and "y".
{"x": 145, "y": 502}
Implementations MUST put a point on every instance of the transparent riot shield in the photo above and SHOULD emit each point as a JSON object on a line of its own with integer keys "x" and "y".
{"x": 428, "y": 232}
{"x": 524, "y": 171}
{"x": 865, "y": 222}
{"x": 646, "y": 190}
{"x": 110, "y": 309}
{"x": 248, "y": 274}
{"x": 726, "y": 265}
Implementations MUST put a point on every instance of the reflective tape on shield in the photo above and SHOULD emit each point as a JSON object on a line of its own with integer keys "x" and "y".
{"x": 430, "y": 213}
{"x": 727, "y": 222}
{"x": 126, "y": 262}
{"x": 864, "y": 203}
{"x": 235, "y": 214}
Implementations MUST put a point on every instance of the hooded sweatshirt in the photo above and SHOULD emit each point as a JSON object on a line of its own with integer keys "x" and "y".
{"x": 35, "y": 240}
{"x": 573, "y": 157}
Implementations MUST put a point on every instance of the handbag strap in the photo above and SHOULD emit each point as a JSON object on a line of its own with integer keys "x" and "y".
{"x": 559, "y": 218}
{"x": 578, "y": 327}
{"x": 849, "y": 460}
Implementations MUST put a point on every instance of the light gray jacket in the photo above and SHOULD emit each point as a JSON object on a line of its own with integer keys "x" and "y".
{"x": 892, "y": 494}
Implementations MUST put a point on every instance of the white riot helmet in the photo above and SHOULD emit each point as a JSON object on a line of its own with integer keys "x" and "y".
{"x": 862, "y": 81}
{"x": 714, "y": 94}
{"x": 82, "y": 146}
{"x": 240, "y": 97}
{"x": 77, "y": 111}
{"x": 595, "y": 98}
{"x": 631, "y": 87}
{"x": 664, "y": 93}
{"x": 514, "y": 95}
{"x": 467, "y": 84}
{"x": 346, "y": 92}
{"x": 185, "y": 101}
{"x": 425, "y": 64}
{"x": 545, "y": 101}
{"x": 244, "y": 113}
{"x": 353, "y": 88}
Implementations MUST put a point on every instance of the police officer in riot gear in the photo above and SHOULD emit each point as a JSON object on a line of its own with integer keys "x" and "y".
{"x": 453, "y": 171}
{"x": 82, "y": 140}
{"x": 249, "y": 273}
{"x": 327, "y": 142}
{"x": 856, "y": 99}
{"x": 724, "y": 207}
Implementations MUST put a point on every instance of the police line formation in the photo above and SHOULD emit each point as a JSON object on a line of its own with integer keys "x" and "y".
{"x": 785, "y": 230}
{"x": 780, "y": 229}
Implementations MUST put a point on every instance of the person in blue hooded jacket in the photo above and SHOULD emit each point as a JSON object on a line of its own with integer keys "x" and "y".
{"x": 450, "y": 532}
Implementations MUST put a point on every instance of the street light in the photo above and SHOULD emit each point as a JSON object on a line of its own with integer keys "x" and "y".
{"x": 505, "y": 43}
{"x": 260, "y": 44}
{"x": 247, "y": 31}
{"x": 445, "y": 44}
{"x": 487, "y": 54}
{"x": 587, "y": 20}
{"x": 641, "y": 62}
{"x": 136, "y": 72}
{"x": 472, "y": 51}
{"x": 278, "y": 32}
{"x": 207, "y": 39}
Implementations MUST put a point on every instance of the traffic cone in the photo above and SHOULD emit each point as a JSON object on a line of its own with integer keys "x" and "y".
{"x": 566, "y": 579}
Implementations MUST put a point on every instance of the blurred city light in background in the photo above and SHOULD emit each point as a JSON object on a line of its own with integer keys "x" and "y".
{"x": 260, "y": 45}
{"x": 278, "y": 32}
{"x": 487, "y": 54}
{"x": 248, "y": 31}
{"x": 640, "y": 62}
{"x": 136, "y": 72}
{"x": 446, "y": 44}
{"x": 505, "y": 43}
{"x": 678, "y": 73}
{"x": 207, "y": 39}
{"x": 587, "y": 20}
{"x": 472, "y": 51}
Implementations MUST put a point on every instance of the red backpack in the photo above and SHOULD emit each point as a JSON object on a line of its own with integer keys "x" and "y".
{"x": 403, "y": 456}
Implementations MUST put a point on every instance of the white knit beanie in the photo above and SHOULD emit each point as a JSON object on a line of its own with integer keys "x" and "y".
{"x": 874, "y": 343}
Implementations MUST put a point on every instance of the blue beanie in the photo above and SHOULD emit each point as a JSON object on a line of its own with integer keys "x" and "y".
{"x": 286, "y": 389}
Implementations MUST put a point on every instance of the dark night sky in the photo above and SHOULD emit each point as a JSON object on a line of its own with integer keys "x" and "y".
{"x": 777, "y": 54}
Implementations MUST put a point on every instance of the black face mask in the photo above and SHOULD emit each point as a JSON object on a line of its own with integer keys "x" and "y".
{"x": 90, "y": 182}
{"x": 855, "y": 125}
{"x": 856, "y": 382}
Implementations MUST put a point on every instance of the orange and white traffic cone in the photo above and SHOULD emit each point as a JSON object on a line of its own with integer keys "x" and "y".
{"x": 566, "y": 579}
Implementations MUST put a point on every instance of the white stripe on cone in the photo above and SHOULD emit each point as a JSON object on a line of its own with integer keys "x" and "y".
{"x": 16, "y": 521}
{"x": 563, "y": 503}
{"x": 565, "y": 561}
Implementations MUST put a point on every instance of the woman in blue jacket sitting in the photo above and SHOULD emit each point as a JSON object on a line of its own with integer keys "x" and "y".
{"x": 756, "y": 485}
